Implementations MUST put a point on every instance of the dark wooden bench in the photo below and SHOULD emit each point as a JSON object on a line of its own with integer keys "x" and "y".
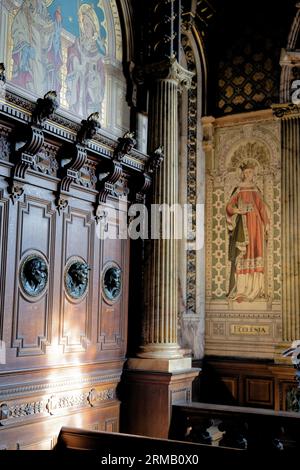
{"x": 253, "y": 429}
{"x": 107, "y": 447}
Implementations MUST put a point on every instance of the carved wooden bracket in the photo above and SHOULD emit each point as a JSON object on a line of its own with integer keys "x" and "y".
{"x": 125, "y": 146}
{"x": 2, "y": 73}
{"x": 141, "y": 186}
{"x": 109, "y": 174}
{"x": 29, "y": 143}
{"x": 15, "y": 190}
{"x": 76, "y": 158}
{"x": 71, "y": 171}
{"x": 143, "y": 181}
{"x": 61, "y": 204}
{"x": 25, "y": 156}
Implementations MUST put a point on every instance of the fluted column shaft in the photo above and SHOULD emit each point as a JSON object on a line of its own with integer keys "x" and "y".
{"x": 161, "y": 277}
{"x": 291, "y": 227}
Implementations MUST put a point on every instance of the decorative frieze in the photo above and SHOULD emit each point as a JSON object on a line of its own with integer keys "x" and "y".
{"x": 54, "y": 404}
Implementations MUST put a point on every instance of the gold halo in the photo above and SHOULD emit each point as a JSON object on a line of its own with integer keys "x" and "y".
{"x": 88, "y": 10}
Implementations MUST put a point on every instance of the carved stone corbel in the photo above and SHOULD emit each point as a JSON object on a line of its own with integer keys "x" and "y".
{"x": 29, "y": 142}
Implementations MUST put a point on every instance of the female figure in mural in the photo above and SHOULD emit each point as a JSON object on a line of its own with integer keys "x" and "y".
{"x": 85, "y": 69}
{"x": 248, "y": 224}
{"x": 32, "y": 31}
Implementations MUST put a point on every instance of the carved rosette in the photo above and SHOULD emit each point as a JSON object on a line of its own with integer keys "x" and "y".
{"x": 33, "y": 275}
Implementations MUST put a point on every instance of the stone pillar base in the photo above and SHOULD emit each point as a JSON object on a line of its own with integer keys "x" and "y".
{"x": 147, "y": 395}
{"x": 160, "y": 365}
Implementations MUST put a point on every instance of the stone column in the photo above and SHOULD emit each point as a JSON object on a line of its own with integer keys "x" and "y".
{"x": 289, "y": 115}
{"x": 161, "y": 286}
{"x": 160, "y": 375}
{"x": 291, "y": 226}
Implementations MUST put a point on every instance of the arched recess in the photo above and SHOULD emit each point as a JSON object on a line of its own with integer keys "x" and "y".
{"x": 290, "y": 59}
{"x": 192, "y": 193}
{"x": 126, "y": 15}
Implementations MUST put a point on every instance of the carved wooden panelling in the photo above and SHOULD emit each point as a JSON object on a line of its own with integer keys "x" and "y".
{"x": 45, "y": 444}
{"x": 78, "y": 241}
{"x": 259, "y": 391}
{"x": 3, "y": 238}
{"x": 32, "y": 315}
{"x": 231, "y": 383}
{"x": 44, "y": 437}
{"x": 112, "y": 320}
{"x": 5, "y": 145}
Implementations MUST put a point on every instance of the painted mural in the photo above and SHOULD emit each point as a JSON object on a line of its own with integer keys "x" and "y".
{"x": 248, "y": 220}
{"x": 243, "y": 236}
{"x": 66, "y": 46}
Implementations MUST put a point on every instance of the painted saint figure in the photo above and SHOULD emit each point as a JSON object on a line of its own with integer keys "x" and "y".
{"x": 248, "y": 224}
{"x": 85, "y": 69}
{"x": 32, "y": 34}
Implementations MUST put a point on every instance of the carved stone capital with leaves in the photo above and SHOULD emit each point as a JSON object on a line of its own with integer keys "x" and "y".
{"x": 170, "y": 69}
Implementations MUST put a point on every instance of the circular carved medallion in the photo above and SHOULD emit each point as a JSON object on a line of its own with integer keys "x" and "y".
{"x": 76, "y": 278}
{"x": 112, "y": 282}
{"x": 34, "y": 274}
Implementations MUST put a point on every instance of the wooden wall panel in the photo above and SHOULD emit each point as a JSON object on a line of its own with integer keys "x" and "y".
{"x": 231, "y": 384}
{"x": 43, "y": 435}
{"x": 78, "y": 241}
{"x": 64, "y": 356}
{"x": 253, "y": 383}
{"x": 259, "y": 391}
{"x": 112, "y": 323}
{"x": 32, "y": 316}
{"x": 4, "y": 206}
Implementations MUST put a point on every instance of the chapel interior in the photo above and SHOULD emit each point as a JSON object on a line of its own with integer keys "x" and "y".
{"x": 107, "y": 323}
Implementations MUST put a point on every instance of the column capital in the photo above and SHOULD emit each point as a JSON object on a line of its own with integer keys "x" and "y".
{"x": 286, "y": 110}
{"x": 170, "y": 69}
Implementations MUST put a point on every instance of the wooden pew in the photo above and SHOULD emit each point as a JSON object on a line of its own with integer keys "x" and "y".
{"x": 117, "y": 448}
{"x": 253, "y": 429}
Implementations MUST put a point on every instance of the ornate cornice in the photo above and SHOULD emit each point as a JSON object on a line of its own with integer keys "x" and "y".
{"x": 20, "y": 109}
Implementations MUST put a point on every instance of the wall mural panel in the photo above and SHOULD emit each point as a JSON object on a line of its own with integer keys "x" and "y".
{"x": 72, "y": 47}
{"x": 243, "y": 220}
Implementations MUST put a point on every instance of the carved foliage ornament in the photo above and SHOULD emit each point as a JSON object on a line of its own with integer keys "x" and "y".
{"x": 112, "y": 282}
{"x": 76, "y": 278}
{"x": 34, "y": 275}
